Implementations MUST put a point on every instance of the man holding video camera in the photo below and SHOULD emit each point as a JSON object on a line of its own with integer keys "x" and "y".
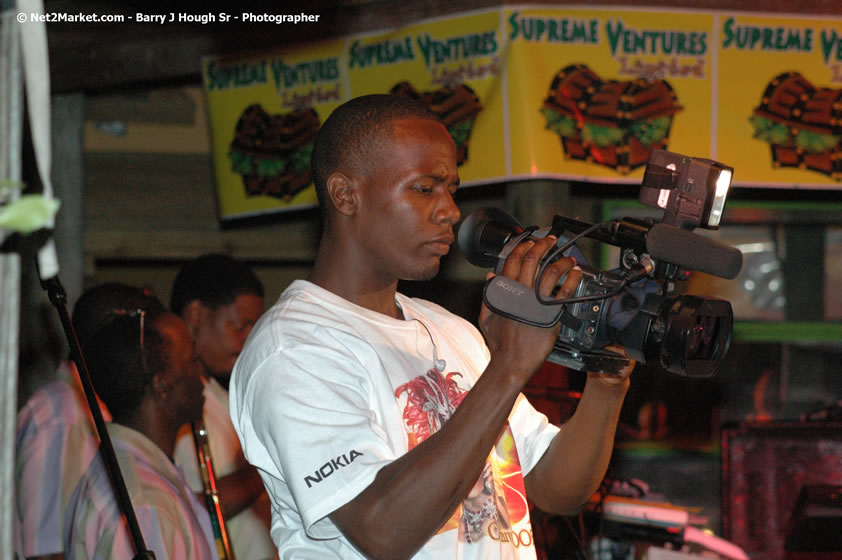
{"x": 385, "y": 426}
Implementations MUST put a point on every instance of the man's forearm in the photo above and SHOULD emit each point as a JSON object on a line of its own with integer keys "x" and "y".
{"x": 239, "y": 490}
{"x": 432, "y": 479}
{"x": 574, "y": 464}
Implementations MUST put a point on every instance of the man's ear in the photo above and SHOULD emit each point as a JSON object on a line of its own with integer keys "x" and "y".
{"x": 194, "y": 312}
{"x": 342, "y": 192}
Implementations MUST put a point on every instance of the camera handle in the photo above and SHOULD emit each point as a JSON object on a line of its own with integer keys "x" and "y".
{"x": 511, "y": 299}
{"x": 514, "y": 300}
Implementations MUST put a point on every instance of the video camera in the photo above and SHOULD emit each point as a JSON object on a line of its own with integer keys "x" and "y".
{"x": 632, "y": 306}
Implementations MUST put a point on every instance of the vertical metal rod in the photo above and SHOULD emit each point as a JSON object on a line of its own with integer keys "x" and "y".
{"x": 58, "y": 297}
{"x": 208, "y": 474}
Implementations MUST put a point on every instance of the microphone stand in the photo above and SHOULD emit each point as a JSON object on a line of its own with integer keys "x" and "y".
{"x": 58, "y": 297}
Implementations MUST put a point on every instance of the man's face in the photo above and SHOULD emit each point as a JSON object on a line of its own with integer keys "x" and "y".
{"x": 406, "y": 213}
{"x": 220, "y": 333}
{"x": 181, "y": 378}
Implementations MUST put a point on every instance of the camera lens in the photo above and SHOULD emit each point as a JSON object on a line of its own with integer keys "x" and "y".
{"x": 700, "y": 336}
{"x": 694, "y": 340}
{"x": 697, "y": 335}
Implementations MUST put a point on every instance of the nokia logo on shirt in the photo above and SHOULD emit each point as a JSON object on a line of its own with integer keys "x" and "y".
{"x": 331, "y": 467}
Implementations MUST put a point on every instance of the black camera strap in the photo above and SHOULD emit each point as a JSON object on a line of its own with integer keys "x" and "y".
{"x": 569, "y": 320}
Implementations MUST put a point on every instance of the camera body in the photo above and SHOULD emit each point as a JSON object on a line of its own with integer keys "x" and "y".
{"x": 684, "y": 334}
{"x": 632, "y": 306}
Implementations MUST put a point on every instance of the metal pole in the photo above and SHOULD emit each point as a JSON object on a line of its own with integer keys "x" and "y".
{"x": 58, "y": 297}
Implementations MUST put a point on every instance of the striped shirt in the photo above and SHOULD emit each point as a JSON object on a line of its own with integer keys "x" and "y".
{"x": 54, "y": 445}
{"x": 173, "y": 523}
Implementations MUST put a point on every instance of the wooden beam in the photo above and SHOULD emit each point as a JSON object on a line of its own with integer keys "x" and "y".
{"x": 292, "y": 243}
{"x": 69, "y": 184}
{"x": 167, "y": 106}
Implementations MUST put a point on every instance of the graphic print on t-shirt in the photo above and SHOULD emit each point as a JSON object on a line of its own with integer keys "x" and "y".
{"x": 496, "y": 506}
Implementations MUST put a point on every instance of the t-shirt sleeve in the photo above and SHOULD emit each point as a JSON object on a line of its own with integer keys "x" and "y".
{"x": 313, "y": 427}
{"x": 533, "y": 433}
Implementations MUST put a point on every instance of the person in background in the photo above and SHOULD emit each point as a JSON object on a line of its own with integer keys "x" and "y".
{"x": 56, "y": 438}
{"x": 143, "y": 366}
{"x": 385, "y": 426}
{"x": 220, "y": 298}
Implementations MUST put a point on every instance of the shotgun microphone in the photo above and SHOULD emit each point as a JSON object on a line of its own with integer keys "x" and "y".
{"x": 695, "y": 252}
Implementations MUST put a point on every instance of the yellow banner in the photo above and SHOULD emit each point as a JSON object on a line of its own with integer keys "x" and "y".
{"x": 264, "y": 114}
{"x": 453, "y": 66}
{"x": 779, "y": 94}
{"x": 591, "y": 92}
{"x": 574, "y": 93}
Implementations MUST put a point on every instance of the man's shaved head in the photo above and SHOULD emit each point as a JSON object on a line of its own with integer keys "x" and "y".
{"x": 351, "y": 136}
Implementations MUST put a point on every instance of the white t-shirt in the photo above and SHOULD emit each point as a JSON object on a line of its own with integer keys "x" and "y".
{"x": 326, "y": 393}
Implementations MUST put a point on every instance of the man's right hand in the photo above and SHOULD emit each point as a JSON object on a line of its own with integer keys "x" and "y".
{"x": 516, "y": 347}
